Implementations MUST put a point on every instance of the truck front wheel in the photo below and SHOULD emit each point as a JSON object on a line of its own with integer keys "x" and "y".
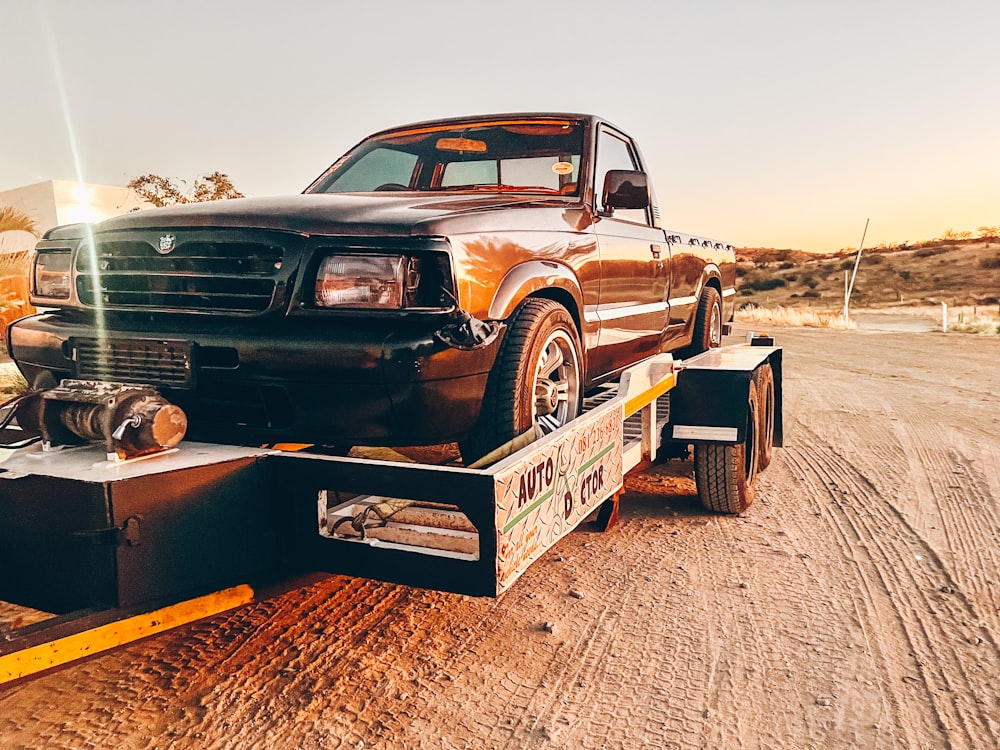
{"x": 707, "y": 323}
{"x": 536, "y": 380}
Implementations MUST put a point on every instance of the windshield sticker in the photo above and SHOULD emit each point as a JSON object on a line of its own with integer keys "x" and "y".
{"x": 562, "y": 167}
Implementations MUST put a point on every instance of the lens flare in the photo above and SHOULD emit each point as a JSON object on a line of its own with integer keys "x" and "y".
{"x": 89, "y": 245}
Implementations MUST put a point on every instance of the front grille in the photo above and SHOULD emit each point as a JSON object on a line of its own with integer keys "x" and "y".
{"x": 152, "y": 362}
{"x": 195, "y": 275}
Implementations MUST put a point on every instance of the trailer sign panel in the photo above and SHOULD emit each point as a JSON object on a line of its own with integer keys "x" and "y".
{"x": 543, "y": 496}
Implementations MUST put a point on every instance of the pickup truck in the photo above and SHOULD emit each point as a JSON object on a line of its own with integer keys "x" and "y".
{"x": 461, "y": 280}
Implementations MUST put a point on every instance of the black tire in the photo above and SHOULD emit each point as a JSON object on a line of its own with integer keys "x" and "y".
{"x": 725, "y": 474}
{"x": 764, "y": 378}
{"x": 537, "y": 378}
{"x": 707, "y": 323}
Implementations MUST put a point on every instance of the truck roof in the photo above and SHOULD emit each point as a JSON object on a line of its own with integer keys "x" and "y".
{"x": 497, "y": 116}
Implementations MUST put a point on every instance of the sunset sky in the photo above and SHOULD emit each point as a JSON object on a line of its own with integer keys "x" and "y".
{"x": 770, "y": 123}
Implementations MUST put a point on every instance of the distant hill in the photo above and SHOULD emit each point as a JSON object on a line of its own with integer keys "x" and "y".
{"x": 957, "y": 272}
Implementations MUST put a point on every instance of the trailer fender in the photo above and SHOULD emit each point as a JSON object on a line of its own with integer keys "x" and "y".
{"x": 709, "y": 403}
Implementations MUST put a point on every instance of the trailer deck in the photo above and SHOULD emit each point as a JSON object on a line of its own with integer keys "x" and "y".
{"x": 121, "y": 550}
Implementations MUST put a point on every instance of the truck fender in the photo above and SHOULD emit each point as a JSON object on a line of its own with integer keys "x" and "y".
{"x": 530, "y": 278}
{"x": 711, "y": 271}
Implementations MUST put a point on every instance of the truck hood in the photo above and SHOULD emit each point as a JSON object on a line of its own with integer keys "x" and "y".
{"x": 355, "y": 214}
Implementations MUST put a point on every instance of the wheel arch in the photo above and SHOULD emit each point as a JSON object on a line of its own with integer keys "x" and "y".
{"x": 540, "y": 279}
{"x": 712, "y": 276}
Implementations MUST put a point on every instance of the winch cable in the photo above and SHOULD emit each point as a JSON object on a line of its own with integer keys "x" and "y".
{"x": 384, "y": 510}
{"x": 378, "y": 515}
{"x": 11, "y": 404}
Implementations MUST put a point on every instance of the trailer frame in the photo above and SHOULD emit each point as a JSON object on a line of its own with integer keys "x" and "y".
{"x": 142, "y": 539}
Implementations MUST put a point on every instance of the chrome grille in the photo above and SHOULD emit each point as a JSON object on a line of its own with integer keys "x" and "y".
{"x": 195, "y": 276}
{"x": 152, "y": 362}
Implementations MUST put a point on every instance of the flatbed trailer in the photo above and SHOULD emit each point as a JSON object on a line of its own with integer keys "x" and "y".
{"x": 116, "y": 551}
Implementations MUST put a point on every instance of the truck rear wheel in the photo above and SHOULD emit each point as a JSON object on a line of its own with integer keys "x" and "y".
{"x": 707, "y": 323}
{"x": 536, "y": 380}
{"x": 725, "y": 473}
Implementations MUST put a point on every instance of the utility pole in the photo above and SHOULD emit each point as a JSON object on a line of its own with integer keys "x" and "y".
{"x": 849, "y": 288}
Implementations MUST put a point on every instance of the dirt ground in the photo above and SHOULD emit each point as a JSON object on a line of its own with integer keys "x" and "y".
{"x": 855, "y": 605}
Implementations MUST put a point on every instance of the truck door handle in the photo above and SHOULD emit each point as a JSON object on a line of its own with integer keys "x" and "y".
{"x": 655, "y": 250}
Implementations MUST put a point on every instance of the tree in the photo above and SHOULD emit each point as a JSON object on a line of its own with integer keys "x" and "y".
{"x": 163, "y": 191}
{"x": 13, "y": 220}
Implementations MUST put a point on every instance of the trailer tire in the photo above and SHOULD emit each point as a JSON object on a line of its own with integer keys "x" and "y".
{"x": 707, "y": 332}
{"x": 537, "y": 378}
{"x": 764, "y": 378}
{"x": 725, "y": 473}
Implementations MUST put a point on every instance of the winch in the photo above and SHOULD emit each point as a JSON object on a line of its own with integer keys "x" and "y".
{"x": 131, "y": 420}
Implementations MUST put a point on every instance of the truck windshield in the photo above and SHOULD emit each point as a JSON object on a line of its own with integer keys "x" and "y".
{"x": 527, "y": 156}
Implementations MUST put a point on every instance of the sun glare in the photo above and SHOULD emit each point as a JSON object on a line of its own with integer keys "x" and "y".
{"x": 82, "y": 210}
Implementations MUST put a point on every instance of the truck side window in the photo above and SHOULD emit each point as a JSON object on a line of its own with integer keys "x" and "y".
{"x": 615, "y": 153}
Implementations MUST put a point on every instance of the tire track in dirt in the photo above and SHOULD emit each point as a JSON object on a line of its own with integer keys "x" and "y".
{"x": 969, "y": 515}
{"x": 890, "y": 471}
{"x": 938, "y": 464}
{"x": 785, "y": 635}
{"x": 378, "y": 638}
{"x": 573, "y": 687}
{"x": 954, "y": 660}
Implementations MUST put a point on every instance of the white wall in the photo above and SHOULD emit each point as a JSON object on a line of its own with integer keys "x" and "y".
{"x": 57, "y": 202}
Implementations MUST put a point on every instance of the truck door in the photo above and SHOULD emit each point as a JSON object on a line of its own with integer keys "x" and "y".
{"x": 635, "y": 260}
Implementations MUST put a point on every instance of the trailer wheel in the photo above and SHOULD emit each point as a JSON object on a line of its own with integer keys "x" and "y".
{"x": 764, "y": 378}
{"x": 707, "y": 323}
{"x": 725, "y": 473}
{"x": 536, "y": 380}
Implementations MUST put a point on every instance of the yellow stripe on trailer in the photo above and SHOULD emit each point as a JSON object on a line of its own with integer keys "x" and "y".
{"x": 61, "y": 651}
{"x": 645, "y": 398}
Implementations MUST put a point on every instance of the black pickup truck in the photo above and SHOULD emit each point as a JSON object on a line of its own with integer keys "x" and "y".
{"x": 456, "y": 280}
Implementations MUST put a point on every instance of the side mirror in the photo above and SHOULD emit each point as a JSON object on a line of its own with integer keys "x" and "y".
{"x": 625, "y": 188}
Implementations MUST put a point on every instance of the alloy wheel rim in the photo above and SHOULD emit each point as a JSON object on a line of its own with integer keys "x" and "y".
{"x": 557, "y": 382}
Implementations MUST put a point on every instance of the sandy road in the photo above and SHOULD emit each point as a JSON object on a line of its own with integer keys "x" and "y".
{"x": 855, "y": 605}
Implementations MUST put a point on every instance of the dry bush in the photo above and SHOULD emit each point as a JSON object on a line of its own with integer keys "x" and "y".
{"x": 792, "y": 317}
{"x": 12, "y": 382}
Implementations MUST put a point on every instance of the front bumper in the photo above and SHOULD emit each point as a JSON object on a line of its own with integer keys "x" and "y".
{"x": 387, "y": 382}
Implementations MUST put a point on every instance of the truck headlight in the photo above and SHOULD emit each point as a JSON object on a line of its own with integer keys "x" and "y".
{"x": 52, "y": 273}
{"x": 361, "y": 281}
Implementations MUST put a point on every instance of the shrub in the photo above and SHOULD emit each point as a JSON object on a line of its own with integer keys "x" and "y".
{"x": 786, "y": 265}
{"x": 993, "y": 262}
{"x": 762, "y": 284}
{"x": 811, "y": 294}
{"x": 787, "y": 316}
